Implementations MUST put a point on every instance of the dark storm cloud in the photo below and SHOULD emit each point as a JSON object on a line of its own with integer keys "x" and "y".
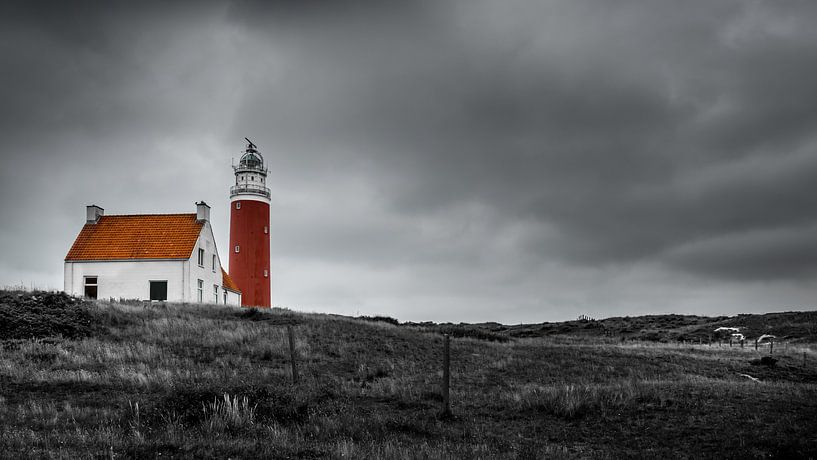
{"x": 544, "y": 156}
{"x": 602, "y": 137}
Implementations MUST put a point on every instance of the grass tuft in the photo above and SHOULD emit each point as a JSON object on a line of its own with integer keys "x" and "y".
{"x": 228, "y": 413}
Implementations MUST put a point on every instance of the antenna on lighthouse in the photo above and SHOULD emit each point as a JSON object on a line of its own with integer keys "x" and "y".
{"x": 251, "y": 145}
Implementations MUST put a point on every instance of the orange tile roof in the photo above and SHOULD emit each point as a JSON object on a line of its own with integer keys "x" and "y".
{"x": 228, "y": 282}
{"x": 144, "y": 236}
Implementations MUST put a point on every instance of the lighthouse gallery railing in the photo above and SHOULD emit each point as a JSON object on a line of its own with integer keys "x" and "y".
{"x": 249, "y": 188}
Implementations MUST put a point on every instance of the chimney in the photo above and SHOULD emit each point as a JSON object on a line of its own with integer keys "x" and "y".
{"x": 93, "y": 213}
{"x": 202, "y": 212}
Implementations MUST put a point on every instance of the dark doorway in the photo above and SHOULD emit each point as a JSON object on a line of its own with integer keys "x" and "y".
{"x": 91, "y": 287}
{"x": 158, "y": 290}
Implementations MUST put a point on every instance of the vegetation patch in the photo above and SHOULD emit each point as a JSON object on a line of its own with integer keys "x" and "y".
{"x": 380, "y": 319}
{"x": 464, "y": 331}
{"x": 209, "y": 381}
{"x": 36, "y": 315}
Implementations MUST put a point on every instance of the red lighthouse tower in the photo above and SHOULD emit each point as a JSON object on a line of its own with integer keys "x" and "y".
{"x": 249, "y": 229}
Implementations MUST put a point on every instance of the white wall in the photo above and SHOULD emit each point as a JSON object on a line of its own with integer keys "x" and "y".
{"x": 233, "y": 298}
{"x": 127, "y": 279}
{"x": 207, "y": 274}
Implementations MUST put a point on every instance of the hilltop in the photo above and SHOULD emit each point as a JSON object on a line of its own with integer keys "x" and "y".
{"x": 795, "y": 327}
{"x": 102, "y": 379}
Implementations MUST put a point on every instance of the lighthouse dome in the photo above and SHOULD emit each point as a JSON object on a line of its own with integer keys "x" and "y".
{"x": 251, "y": 159}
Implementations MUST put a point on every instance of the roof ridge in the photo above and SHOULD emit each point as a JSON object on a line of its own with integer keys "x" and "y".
{"x": 151, "y": 214}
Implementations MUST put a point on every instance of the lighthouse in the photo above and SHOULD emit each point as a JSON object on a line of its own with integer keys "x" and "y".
{"x": 249, "y": 229}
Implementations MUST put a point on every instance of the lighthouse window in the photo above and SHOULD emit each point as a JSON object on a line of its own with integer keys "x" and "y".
{"x": 238, "y": 205}
{"x": 201, "y": 290}
{"x": 266, "y": 273}
{"x": 252, "y": 177}
{"x": 237, "y": 248}
{"x": 201, "y": 257}
{"x": 266, "y": 230}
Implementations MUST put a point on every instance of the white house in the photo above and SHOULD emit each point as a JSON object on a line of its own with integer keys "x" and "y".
{"x": 169, "y": 257}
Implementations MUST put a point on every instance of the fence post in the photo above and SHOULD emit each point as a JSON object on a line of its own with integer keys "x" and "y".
{"x": 730, "y": 342}
{"x": 741, "y": 343}
{"x": 771, "y": 346}
{"x": 804, "y": 359}
{"x": 292, "y": 354}
{"x": 755, "y": 344}
{"x": 446, "y": 375}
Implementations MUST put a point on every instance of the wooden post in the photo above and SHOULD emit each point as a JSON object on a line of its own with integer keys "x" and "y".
{"x": 771, "y": 346}
{"x": 292, "y": 354}
{"x": 804, "y": 359}
{"x": 730, "y": 342}
{"x": 741, "y": 343}
{"x": 446, "y": 375}
{"x": 755, "y": 344}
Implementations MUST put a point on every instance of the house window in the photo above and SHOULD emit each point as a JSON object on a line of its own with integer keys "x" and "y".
{"x": 238, "y": 205}
{"x": 158, "y": 290}
{"x": 266, "y": 273}
{"x": 225, "y": 297}
{"x": 252, "y": 177}
{"x": 214, "y": 263}
{"x": 91, "y": 287}
{"x": 237, "y": 249}
{"x": 266, "y": 230}
{"x": 201, "y": 290}
{"x": 215, "y": 292}
{"x": 201, "y": 257}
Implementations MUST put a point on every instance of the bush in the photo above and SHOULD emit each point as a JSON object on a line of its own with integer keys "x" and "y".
{"x": 39, "y": 314}
{"x": 472, "y": 332}
{"x": 380, "y": 319}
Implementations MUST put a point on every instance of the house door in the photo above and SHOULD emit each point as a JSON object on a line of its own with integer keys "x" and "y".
{"x": 158, "y": 290}
{"x": 91, "y": 287}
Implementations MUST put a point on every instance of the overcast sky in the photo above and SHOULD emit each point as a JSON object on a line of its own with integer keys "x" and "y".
{"x": 514, "y": 161}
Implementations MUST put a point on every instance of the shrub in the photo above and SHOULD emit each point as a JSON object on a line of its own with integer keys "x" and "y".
{"x": 45, "y": 314}
{"x": 472, "y": 332}
{"x": 380, "y": 319}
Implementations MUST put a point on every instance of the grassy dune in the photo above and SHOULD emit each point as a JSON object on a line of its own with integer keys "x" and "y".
{"x": 207, "y": 381}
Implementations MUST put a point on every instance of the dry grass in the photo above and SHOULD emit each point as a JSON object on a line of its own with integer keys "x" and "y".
{"x": 205, "y": 381}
